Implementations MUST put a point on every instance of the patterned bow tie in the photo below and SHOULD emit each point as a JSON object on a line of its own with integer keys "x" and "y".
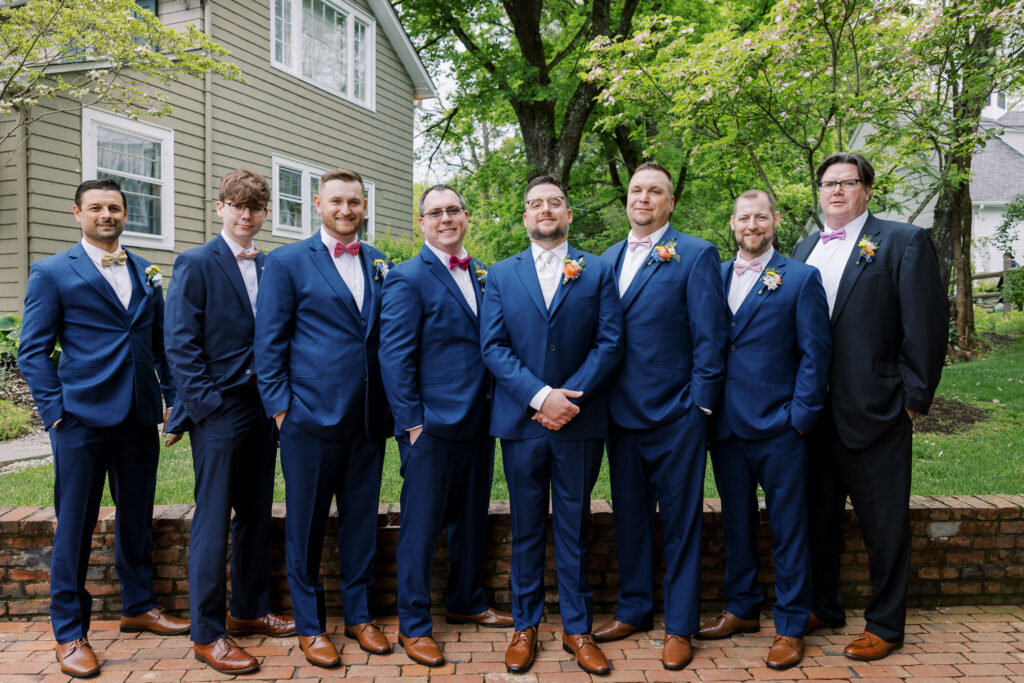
{"x": 242, "y": 255}
{"x": 637, "y": 244}
{"x": 752, "y": 266}
{"x": 120, "y": 258}
{"x": 827, "y": 237}
{"x": 340, "y": 248}
{"x": 456, "y": 262}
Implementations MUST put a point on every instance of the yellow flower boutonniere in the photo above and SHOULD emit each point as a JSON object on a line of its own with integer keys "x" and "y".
{"x": 868, "y": 248}
{"x": 153, "y": 276}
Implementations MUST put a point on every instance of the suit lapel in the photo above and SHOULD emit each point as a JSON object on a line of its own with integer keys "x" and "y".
{"x": 647, "y": 269}
{"x": 139, "y": 273}
{"x": 83, "y": 265}
{"x": 618, "y": 254}
{"x": 261, "y": 261}
{"x": 229, "y": 264}
{"x": 851, "y": 271}
{"x": 478, "y": 290}
{"x": 323, "y": 262}
{"x": 753, "y": 301}
{"x": 371, "y": 289}
{"x": 562, "y": 288}
{"x": 439, "y": 270}
{"x": 804, "y": 248}
{"x": 528, "y": 275}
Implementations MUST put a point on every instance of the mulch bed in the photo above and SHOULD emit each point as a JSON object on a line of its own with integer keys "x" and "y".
{"x": 948, "y": 416}
{"x": 14, "y": 389}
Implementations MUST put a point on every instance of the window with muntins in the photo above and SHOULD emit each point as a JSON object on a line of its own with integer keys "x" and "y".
{"x": 294, "y": 211}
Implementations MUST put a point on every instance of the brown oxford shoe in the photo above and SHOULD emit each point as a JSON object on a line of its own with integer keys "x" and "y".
{"x": 785, "y": 652}
{"x": 816, "y": 624}
{"x": 617, "y": 630}
{"x": 422, "y": 650}
{"x": 588, "y": 655}
{"x": 273, "y": 625}
{"x": 320, "y": 651}
{"x": 225, "y": 656}
{"x": 371, "y": 638}
{"x": 726, "y": 624}
{"x": 155, "y": 621}
{"x": 492, "y": 618}
{"x": 677, "y": 652}
{"x": 77, "y": 659}
{"x": 869, "y": 647}
{"x": 520, "y": 652}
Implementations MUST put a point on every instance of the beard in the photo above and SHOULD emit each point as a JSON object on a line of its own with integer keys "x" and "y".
{"x": 557, "y": 232}
{"x": 754, "y": 244}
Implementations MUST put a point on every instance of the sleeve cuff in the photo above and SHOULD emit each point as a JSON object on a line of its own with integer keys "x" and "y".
{"x": 538, "y": 399}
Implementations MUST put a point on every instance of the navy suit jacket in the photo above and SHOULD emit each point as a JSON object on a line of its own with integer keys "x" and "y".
{"x": 675, "y": 335}
{"x": 779, "y": 348}
{"x": 316, "y": 354}
{"x": 430, "y": 350}
{"x": 109, "y": 357}
{"x": 574, "y": 344}
{"x": 208, "y": 330}
{"x": 889, "y": 327}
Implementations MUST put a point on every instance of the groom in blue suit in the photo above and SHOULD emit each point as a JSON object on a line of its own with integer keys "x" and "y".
{"x": 669, "y": 379}
{"x": 101, "y": 404}
{"x": 776, "y": 372}
{"x": 317, "y": 338}
{"x": 551, "y": 334}
{"x": 439, "y": 392}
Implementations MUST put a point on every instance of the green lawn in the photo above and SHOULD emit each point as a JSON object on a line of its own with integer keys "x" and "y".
{"x": 988, "y": 457}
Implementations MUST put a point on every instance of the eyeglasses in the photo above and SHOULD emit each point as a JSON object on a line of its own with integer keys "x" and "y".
{"x": 848, "y": 184}
{"x": 239, "y": 209}
{"x": 451, "y": 212}
{"x": 552, "y": 203}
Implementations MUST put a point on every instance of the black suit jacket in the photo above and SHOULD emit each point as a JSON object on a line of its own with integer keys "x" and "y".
{"x": 889, "y": 328}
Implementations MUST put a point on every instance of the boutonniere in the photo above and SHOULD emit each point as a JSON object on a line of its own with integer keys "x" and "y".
{"x": 868, "y": 248}
{"x": 663, "y": 253}
{"x": 770, "y": 279}
{"x": 481, "y": 277}
{"x": 381, "y": 267}
{"x": 153, "y": 276}
{"x": 572, "y": 269}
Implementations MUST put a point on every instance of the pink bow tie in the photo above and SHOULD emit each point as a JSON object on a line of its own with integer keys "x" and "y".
{"x": 740, "y": 268}
{"x": 340, "y": 249}
{"x": 636, "y": 244}
{"x": 456, "y": 262}
{"x": 839, "y": 234}
{"x": 243, "y": 255}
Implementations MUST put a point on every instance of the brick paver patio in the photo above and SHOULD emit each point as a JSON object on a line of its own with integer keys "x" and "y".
{"x": 944, "y": 644}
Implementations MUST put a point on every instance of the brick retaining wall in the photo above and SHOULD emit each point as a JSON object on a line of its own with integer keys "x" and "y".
{"x": 966, "y": 550}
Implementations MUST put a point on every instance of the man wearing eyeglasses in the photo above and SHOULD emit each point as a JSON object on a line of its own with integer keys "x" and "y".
{"x": 439, "y": 392}
{"x": 551, "y": 334}
{"x": 210, "y": 321}
{"x": 889, "y": 318}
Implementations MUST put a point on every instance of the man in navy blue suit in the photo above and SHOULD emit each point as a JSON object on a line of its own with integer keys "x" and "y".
{"x": 209, "y": 328}
{"x": 101, "y": 404}
{"x": 551, "y": 334}
{"x": 317, "y": 338}
{"x": 439, "y": 392}
{"x": 669, "y": 379}
{"x": 776, "y": 371}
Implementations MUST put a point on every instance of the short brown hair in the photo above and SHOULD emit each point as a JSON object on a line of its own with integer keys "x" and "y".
{"x": 343, "y": 174}
{"x": 655, "y": 166}
{"x": 755, "y": 194}
{"x": 546, "y": 180}
{"x": 864, "y": 167}
{"x": 244, "y": 187}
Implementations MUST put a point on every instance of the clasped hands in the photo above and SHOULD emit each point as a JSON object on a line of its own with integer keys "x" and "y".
{"x": 557, "y": 409}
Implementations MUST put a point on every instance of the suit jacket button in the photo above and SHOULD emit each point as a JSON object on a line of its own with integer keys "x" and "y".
{"x": 732, "y": 348}
{"x": 248, "y": 371}
{"x": 129, "y": 361}
{"x": 733, "y": 323}
{"x": 364, "y": 378}
{"x": 552, "y": 348}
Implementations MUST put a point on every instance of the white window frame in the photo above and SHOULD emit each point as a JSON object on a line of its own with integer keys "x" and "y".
{"x": 310, "y": 174}
{"x": 295, "y": 41}
{"x": 91, "y": 118}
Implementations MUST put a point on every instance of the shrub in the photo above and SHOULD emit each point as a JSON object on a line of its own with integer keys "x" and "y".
{"x": 15, "y": 421}
{"x": 1015, "y": 283}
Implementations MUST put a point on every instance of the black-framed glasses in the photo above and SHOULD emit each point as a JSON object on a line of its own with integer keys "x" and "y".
{"x": 451, "y": 212}
{"x": 239, "y": 209}
{"x": 847, "y": 183}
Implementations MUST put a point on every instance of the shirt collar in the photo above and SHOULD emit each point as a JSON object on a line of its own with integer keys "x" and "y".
{"x": 852, "y": 228}
{"x": 235, "y": 247}
{"x": 444, "y": 256}
{"x": 763, "y": 259}
{"x": 560, "y": 251}
{"x": 96, "y": 254}
{"x": 655, "y": 236}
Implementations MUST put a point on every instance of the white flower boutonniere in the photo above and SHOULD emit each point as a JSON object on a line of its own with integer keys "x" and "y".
{"x": 771, "y": 280}
{"x": 153, "y": 276}
{"x": 381, "y": 267}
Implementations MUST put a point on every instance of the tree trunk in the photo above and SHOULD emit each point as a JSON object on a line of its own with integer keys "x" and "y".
{"x": 962, "y": 219}
{"x": 942, "y": 233}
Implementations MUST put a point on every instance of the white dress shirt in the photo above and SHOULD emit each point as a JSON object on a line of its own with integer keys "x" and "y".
{"x": 246, "y": 266}
{"x": 349, "y": 268}
{"x": 830, "y": 259}
{"x": 116, "y": 274}
{"x": 463, "y": 278}
{"x": 634, "y": 259}
{"x": 549, "y": 282}
{"x": 740, "y": 285}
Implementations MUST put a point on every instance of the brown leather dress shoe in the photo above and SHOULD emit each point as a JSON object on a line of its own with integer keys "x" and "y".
{"x": 868, "y": 647}
{"x": 816, "y": 624}
{"x": 785, "y": 652}
{"x": 371, "y": 638}
{"x": 588, "y": 655}
{"x": 617, "y": 630}
{"x": 225, "y": 656}
{"x": 320, "y": 651}
{"x": 520, "y": 652}
{"x": 156, "y": 621}
{"x": 677, "y": 652}
{"x": 270, "y": 624}
{"x": 77, "y": 659}
{"x": 492, "y": 618}
{"x": 422, "y": 650}
{"x": 726, "y": 624}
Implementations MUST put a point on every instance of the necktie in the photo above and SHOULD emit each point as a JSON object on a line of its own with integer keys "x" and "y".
{"x": 740, "y": 268}
{"x": 242, "y": 255}
{"x": 340, "y": 248}
{"x": 637, "y": 244}
{"x": 456, "y": 262}
{"x": 120, "y": 258}
{"x": 827, "y": 237}
{"x": 547, "y": 273}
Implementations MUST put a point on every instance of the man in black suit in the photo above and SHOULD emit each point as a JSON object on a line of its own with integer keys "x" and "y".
{"x": 889, "y": 318}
